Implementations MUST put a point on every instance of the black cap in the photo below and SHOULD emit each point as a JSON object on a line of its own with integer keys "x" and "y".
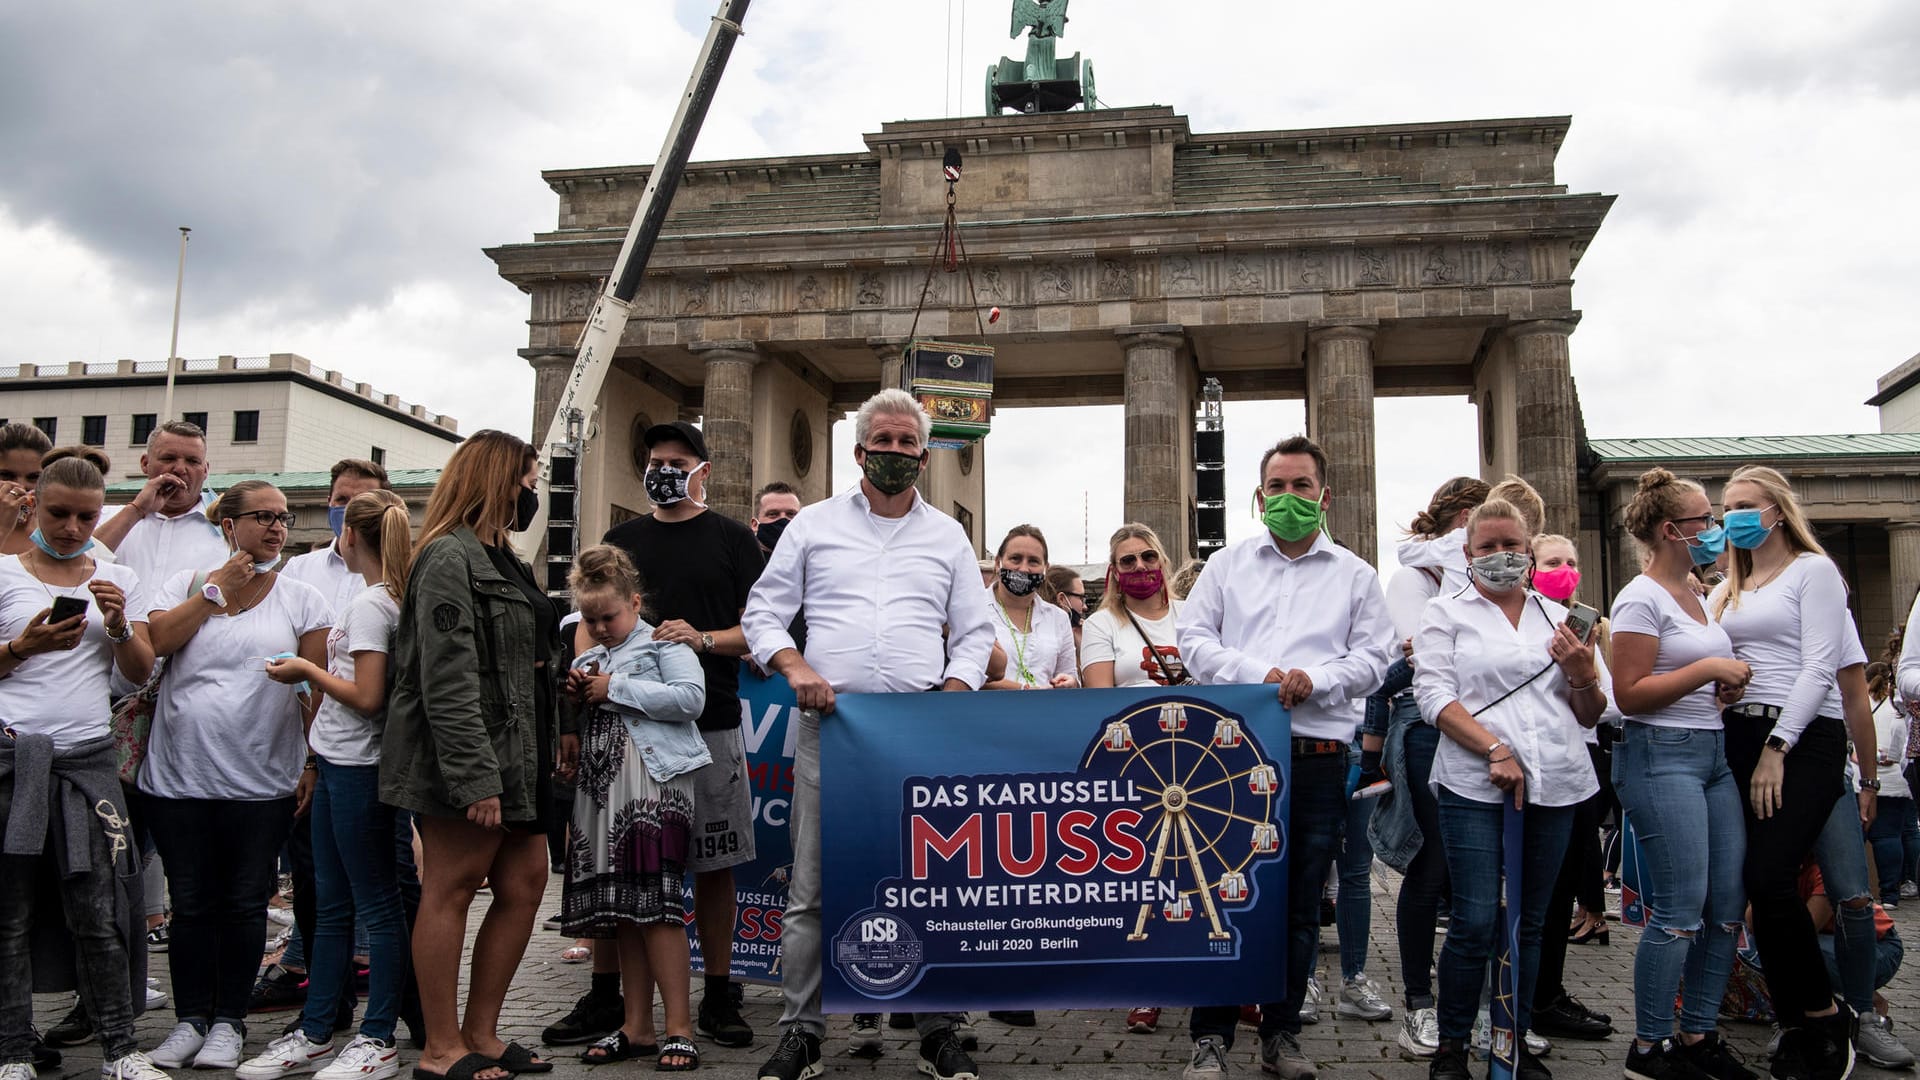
{"x": 679, "y": 431}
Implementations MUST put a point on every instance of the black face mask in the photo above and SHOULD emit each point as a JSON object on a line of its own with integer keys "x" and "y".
{"x": 1073, "y": 618}
{"x": 526, "y": 506}
{"x": 768, "y": 532}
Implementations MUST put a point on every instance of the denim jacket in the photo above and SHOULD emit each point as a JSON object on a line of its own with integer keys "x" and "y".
{"x": 1392, "y": 829}
{"x": 659, "y": 690}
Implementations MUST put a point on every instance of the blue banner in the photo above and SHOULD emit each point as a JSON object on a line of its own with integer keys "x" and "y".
{"x": 1054, "y": 850}
{"x": 770, "y": 726}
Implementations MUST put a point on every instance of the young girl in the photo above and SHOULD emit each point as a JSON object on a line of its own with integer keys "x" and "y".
{"x": 353, "y": 864}
{"x": 633, "y": 803}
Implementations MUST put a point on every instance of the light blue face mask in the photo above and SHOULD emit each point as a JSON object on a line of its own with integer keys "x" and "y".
{"x": 1707, "y": 545}
{"x": 40, "y": 542}
{"x": 1744, "y": 529}
{"x": 336, "y": 519}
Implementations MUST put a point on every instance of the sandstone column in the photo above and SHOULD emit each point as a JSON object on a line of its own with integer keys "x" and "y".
{"x": 893, "y": 360}
{"x": 728, "y": 424}
{"x": 551, "y": 370}
{"x": 1340, "y": 419}
{"x": 1546, "y": 417}
{"x": 1903, "y": 542}
{"x": 1159, "y": 416}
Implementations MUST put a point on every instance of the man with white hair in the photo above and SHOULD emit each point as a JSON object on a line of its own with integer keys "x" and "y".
{"x": 878, "y": 574}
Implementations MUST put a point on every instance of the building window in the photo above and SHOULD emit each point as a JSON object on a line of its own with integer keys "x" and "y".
{"x": 379, "y": 456}
{"x": 246, "y": 425}
{"x": 197, "y": 419}
{"x": 143, "y": 424}
{"x": 48, "y": 424}
{"x": 93, "y": 430}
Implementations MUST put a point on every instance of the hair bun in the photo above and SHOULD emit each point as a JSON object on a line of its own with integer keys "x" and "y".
{"x": 1656, "y": 478}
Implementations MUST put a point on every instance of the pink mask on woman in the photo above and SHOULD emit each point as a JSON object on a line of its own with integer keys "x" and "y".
{"x": 1140, "y": 584}
{"x": 1559, "y": 583}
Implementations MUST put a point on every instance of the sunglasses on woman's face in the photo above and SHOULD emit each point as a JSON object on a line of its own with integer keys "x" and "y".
{"x": 1138, "y": 560}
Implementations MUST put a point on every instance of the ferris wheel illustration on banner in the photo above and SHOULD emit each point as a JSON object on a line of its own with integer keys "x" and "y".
{"x": 1210, "y": 796}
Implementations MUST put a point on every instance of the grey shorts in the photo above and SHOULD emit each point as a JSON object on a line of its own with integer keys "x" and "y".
{"x": 722, "y": 806}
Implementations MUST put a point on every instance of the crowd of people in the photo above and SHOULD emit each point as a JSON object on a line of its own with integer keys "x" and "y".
{"x": 404, "y": 722}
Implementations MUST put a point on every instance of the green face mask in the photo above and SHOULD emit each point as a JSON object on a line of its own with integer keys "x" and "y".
{"x": 890, "y": 471}
{"x": 1291, "y": 517}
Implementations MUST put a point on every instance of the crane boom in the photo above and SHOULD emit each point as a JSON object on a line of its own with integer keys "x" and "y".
{"x": 608, "y": 319}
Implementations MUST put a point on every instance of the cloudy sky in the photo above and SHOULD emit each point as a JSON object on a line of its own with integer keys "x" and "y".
{"x": 342, "y": 164}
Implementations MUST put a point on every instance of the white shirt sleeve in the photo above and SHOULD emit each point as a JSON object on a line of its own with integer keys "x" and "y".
{"x": 1408, "y": 591}
{"x": 1096, "y": 639}
{"x": 1207, "y": 657}
{"x": 1068, "y": 662}
{"x": 970, "y": 633}
{"x": 1361, "y": 670}
{"x": 777, "y": 596}
{"x": 1823, "y": 604}
{"x": 1435, "y": 684}
{"x": 1909, "y": 663}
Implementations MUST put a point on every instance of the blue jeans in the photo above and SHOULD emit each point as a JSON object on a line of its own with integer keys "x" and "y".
{"x": 1317, "y": 815}
{"x": 1887, "y": 954}
{"x": 1841, "y": 852}
{"x": 1354, "y": 908}
{"x": 1671, "y": 782}
{"x": 1472, "y": 831}
{"x": 354, "y": 879}
{"x": 1896, "y": 846}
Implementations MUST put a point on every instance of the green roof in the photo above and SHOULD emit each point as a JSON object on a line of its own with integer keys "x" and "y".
{"x": 1756, "y": 447}
{"x": 292, "y": 481}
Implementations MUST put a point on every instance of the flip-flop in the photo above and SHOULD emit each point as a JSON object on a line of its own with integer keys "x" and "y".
{"x": 465, "y": 1069}
{"x": 617, "y": 1047}
{"x": 677, "y": 1046}
{"x": 517, "y": 1059}
{"x": 574, "y": 954}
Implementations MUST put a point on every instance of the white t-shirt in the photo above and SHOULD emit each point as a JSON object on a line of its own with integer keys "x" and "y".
{"x": 325, "y": 569}
{"x": 1033, "y": 659}
{"x": 1408, "y": 591}
{"x": 63, "y": 694}
{"x": 341, "y": 735}
{"x": 221, "y": 728}
{"x": 1792, "y": 631}
{"x": 1108, "y": 635}
{"x": 1890, "y": 733}
{"x": 1646, "y": 607}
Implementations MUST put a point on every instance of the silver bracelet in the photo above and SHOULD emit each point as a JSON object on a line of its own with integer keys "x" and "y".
{"x": 125, "y": 635}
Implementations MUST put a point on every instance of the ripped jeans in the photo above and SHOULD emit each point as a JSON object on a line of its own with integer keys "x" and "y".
{"x": 1842, "y": 854}
{"x": 1676, "y": 788}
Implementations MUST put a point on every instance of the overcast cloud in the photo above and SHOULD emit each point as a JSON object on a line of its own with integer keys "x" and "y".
{"x": 342, "y": 165}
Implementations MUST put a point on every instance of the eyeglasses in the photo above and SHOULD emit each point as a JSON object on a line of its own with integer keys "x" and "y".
{"x": 1138, "y": 559}
{"x": 1080, "y": 596}
{"x": 267, "y": 519}
{"x": 1708, "y": 518}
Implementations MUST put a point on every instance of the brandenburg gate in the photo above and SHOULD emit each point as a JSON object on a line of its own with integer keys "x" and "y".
{"x": 1133, "y": 258}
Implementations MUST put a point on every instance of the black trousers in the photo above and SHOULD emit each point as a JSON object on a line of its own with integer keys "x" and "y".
{"x": 1778, "y": 846}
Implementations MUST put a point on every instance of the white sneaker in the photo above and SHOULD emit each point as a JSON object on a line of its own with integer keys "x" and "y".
{"x": 1537, "y": 1045}
{"x": 1909, "y": 890}
{"x": 1420, "y": 1032}
{"x": 134, "y": 1066}
{"x": 279, "y": 916}
{"x": 156, "y": 997}
{"x": 1310, "y": 1008}
{"x": 177, "y": 1050}
{"x": 1360, "y": 1000}
{"x": 365, "y": 1058}
{"x": 17, "y": 1070}
{"x": 289, "y": 1054}
{"x": 222, "y": 1048}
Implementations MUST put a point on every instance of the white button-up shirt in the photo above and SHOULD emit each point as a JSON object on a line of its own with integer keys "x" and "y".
{"x": 1043, "y": 650}
{"x": 158, "y": 546}
{"x": 1254, "y": 609}
{"x": 876, "y": 593}
{"x": 326, "y": 570}
{"x": 1467, "y": 651}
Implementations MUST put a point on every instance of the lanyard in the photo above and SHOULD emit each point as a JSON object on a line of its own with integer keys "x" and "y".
{"x": 1019, "y": 643}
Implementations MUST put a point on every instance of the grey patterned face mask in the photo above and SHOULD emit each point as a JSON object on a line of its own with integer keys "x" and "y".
{"x": 1501, "y": 571}
{"x": 1020, "y": 582}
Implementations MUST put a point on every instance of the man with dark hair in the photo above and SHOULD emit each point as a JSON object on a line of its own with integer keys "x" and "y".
{"x": 773, "y": 506}
{"x": 1291, "y": 608}
{"x": 697, "y": 568}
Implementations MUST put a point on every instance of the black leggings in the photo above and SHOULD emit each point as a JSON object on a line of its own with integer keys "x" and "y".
{"x": 1778, "y": 847}
{"x": 1426, "y": 878}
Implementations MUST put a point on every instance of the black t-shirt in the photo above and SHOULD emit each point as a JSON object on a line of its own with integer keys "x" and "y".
{"x": 699, "y": 570}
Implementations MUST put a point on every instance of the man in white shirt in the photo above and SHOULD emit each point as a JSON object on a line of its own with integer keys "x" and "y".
{"x": 1291, "y": 608}
{"x": 165, "y": 530}
{"x": 323, "y": 567}
{"x": 878, "y": 574}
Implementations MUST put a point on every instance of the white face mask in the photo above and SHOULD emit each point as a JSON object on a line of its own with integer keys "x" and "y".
{"x": 1502, "y": 571}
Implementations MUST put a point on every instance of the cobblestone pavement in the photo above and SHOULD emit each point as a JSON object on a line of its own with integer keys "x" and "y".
{"x": 1081, "y": 1043}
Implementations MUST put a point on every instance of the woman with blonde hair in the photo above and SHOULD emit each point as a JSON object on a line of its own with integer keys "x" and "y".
{"x": 354, "y": 872}
{"x": 1130, "y": 640}
{"x": 469, "y": 747}
{"x": 1784, "y": 605}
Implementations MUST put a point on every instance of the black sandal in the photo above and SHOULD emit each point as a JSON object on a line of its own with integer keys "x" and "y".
{"x": 465, "y": 1069}
{"x": 617, "y": 1047}
{"x": 517, "y": 1059}
{"x": 678, "y": 1046}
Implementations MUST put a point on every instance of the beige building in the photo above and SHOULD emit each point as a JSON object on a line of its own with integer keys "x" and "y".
{"x": 1897, "y": 396}
{"x": 276, "y": 413}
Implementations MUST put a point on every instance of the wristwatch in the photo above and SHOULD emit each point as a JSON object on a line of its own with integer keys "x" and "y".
{"x": 1775, "y": 742}
{"x": 213, "y": 595}
{"x": 706, "y": 643}
{"x": 1495, "y": 745}
{"x": 1872, "y": 785}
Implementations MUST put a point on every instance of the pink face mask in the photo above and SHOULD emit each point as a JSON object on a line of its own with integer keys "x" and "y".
{"x": 1140, "y": 584}
{"x": 1559, "y": 583}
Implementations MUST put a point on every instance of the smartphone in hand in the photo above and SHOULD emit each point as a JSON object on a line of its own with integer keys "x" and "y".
{"x": 66, "y": 607}
{"x": 1581, "y": 619}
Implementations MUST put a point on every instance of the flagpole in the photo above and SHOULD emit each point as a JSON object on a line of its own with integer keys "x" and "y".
{"x": 173, "y": 344}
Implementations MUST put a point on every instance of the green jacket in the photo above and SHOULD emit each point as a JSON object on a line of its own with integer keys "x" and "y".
{"x": 461, "y": 723}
